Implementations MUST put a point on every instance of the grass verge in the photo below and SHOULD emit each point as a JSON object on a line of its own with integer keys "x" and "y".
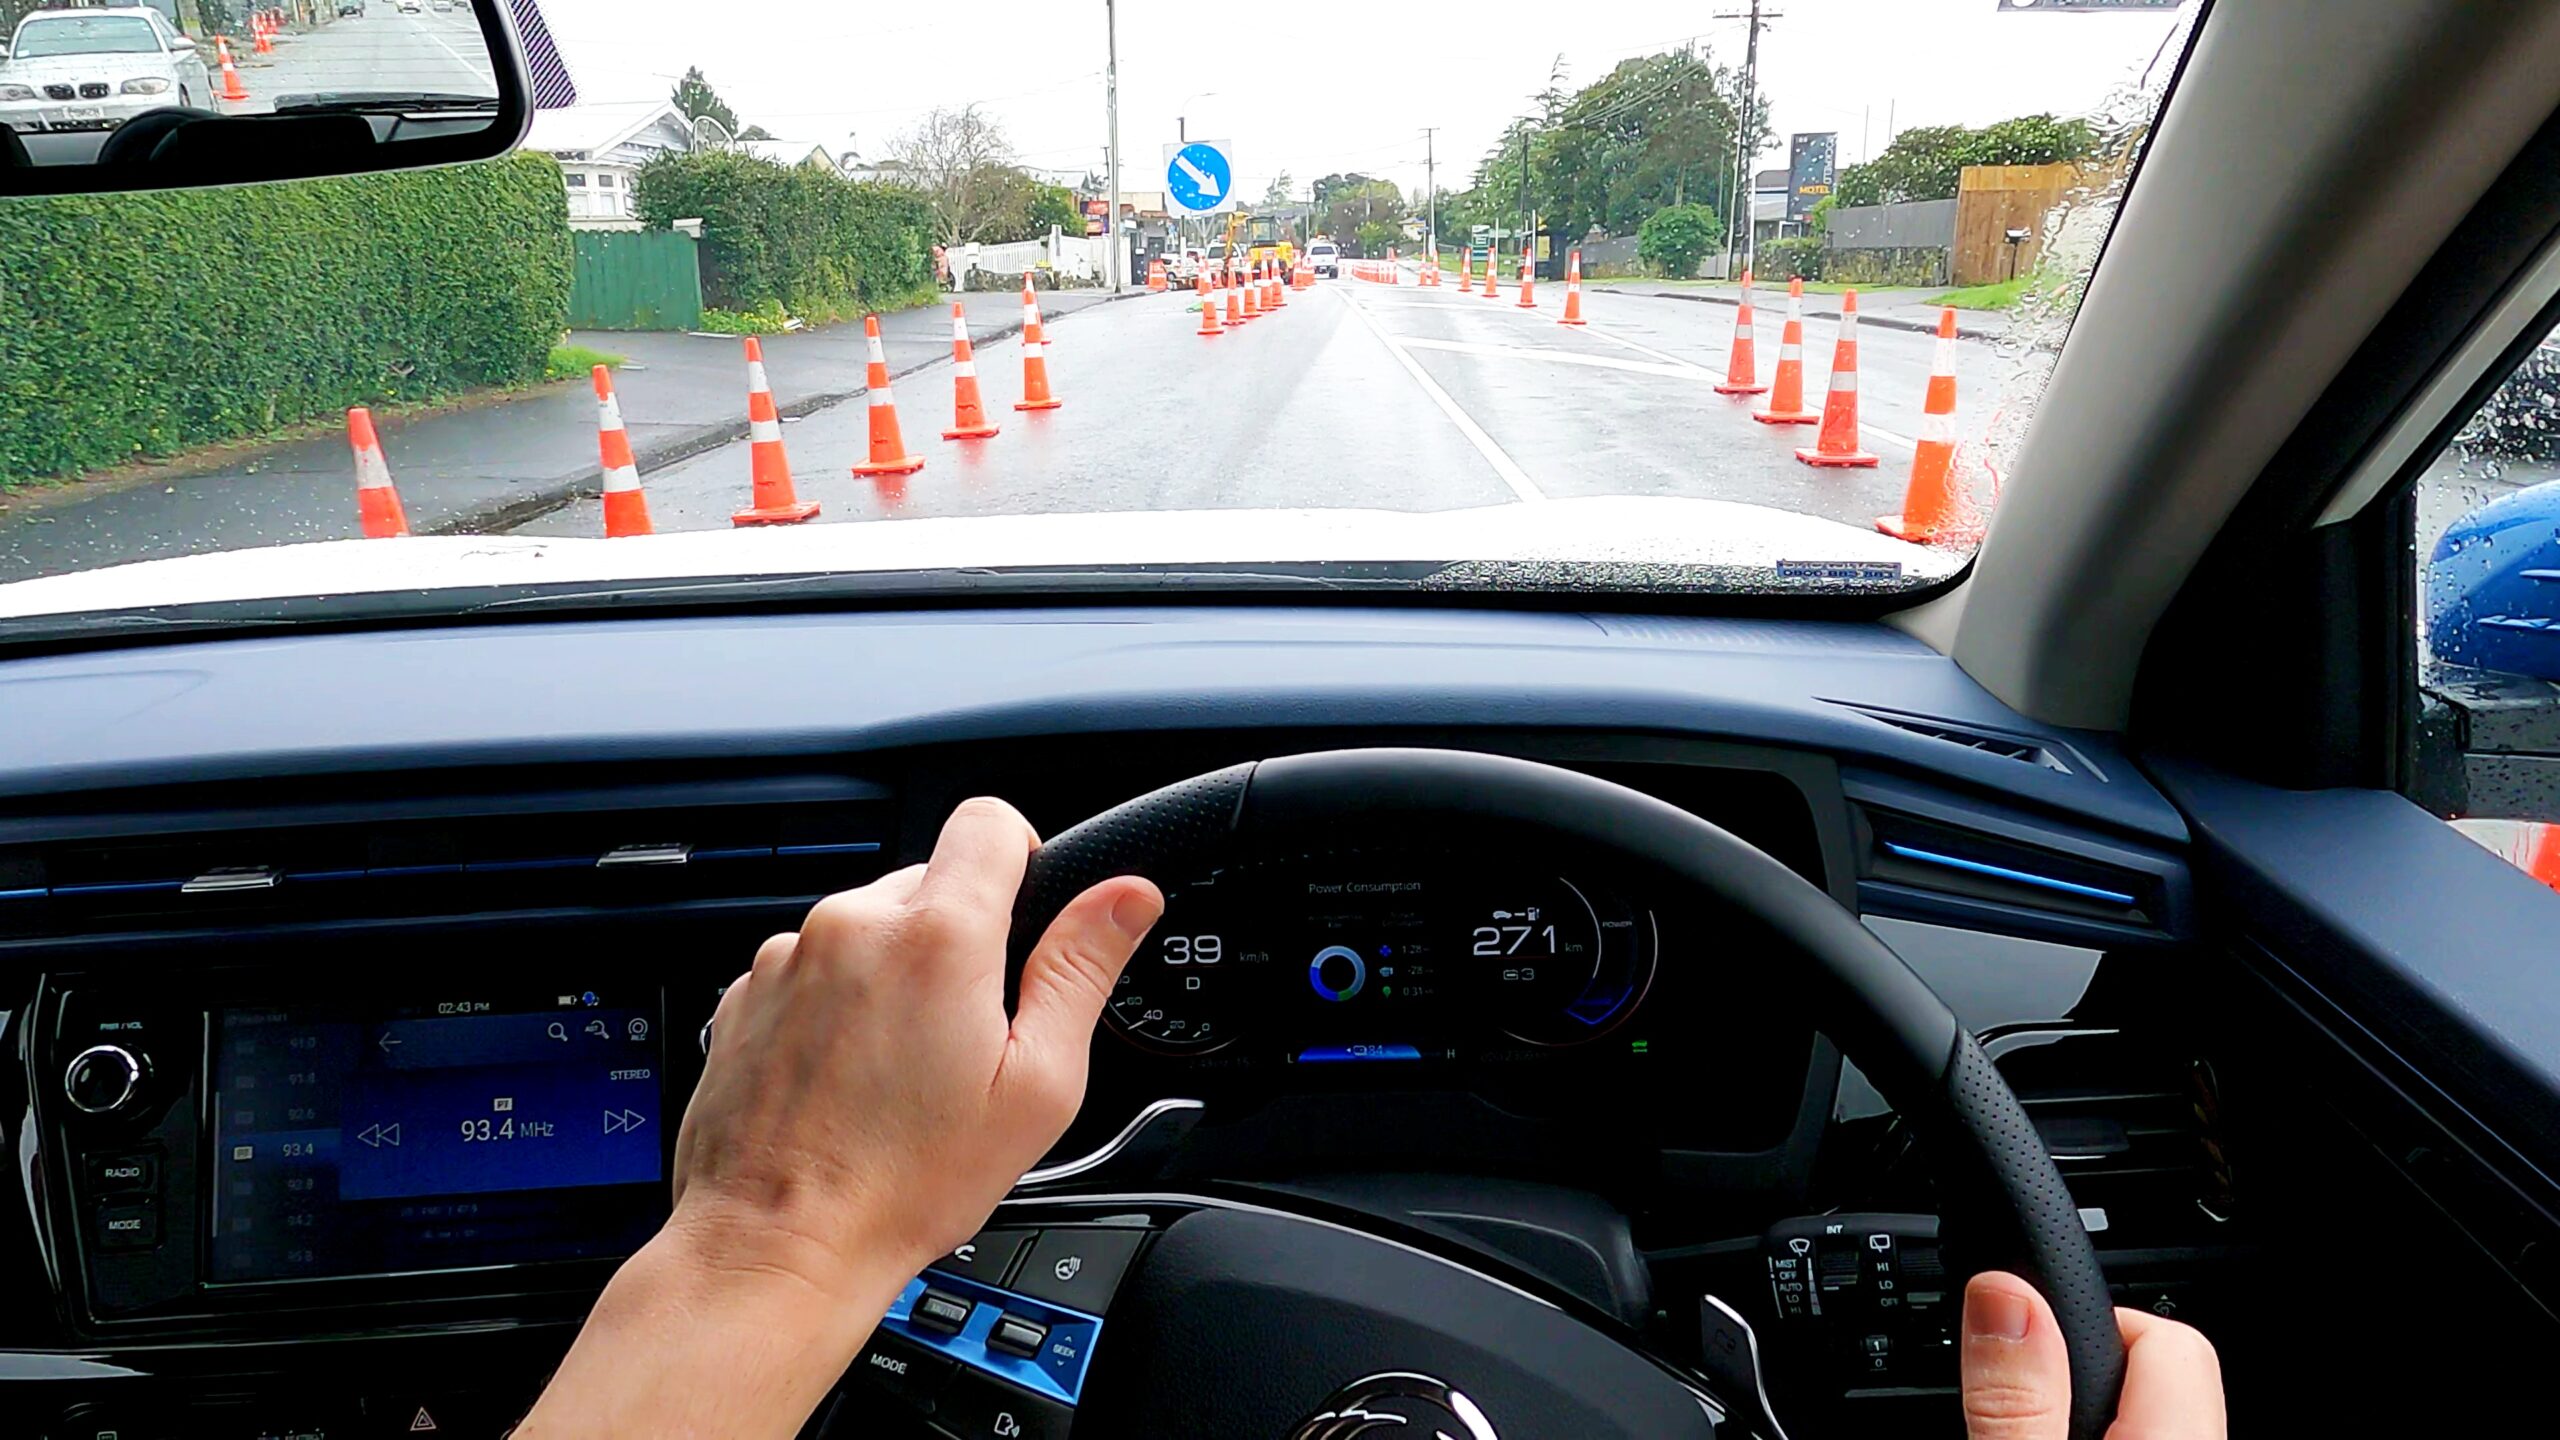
{"x": 576, "y": 362}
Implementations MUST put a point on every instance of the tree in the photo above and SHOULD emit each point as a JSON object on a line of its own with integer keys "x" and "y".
{"x": 1676, "y": 237}
{"x": 1350, "y": 206}
{"x": 694, "y": 96}
{"x": 1054, "y": 205}
{"x": 1927, "y": 162}
{"x": 1376, "y": 236}
{"x": 1277, "y": 192}
{"x": 962, "y": 163}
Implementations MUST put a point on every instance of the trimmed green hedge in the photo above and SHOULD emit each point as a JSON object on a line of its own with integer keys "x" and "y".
{"x": 139, "y": 325}
{"x": 826, "y": 247}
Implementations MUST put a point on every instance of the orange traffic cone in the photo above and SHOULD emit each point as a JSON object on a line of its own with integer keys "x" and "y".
{"x": 231, "y": 89}
{"x": 1252, "y": 294}
{"x": 2542, "y": 855}
{"x": 1492, "y": 269}
{"x": 626, "y": 510}
{"x": 1741, "y": 370}
{"x": 1466, "y": 272}
{"x": 259, "y": 44}
{"x": 1155, "y": 275}
{"x": 888, "y": 448}
{"x": 1235, "y": 301}
{"x": 1930, "y": 507}
{"x": 1528, "y": 283}
{"x": 1431, "y": 270}
{"x": 1837, "y": 443}
{"x": 1572, "y": 289}
{"x": 377, "y": 504}
{"x": 773, "y": 502}
{"x": 968, "y": 415}
{"x": 1208, "y": 307}
{"x": 1786, "y": 401}
{"x": 1277, "y": 293}
{"x": 1035, "y": 358}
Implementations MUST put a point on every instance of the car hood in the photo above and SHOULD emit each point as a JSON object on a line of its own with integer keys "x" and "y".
{"x": 102, "y": 65}
{"x": 1628, "y": 537}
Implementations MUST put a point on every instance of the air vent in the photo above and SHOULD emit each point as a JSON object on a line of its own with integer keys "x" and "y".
{"x": 2133, "y": 1127}
{"x": 1990, "y": 742}
{"x": 1948, "y": 861}
{"x": 447, "y": 856}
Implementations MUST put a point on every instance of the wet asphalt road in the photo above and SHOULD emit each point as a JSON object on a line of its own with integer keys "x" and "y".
{"x": 1354, "y": 395}
{"x": 437, "y": 51}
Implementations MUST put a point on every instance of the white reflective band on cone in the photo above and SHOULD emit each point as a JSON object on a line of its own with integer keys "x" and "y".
{"x": 1790, "y": 350}
{"x": 881, "y": 397}
{"x": 755, "y": 377}
{"x": 878, "y": 357}
{"x": 372, "y": 471}
{"x": 608, "y": 414}
{"x": 1937, "y": 429}
{"x": 1844, "y": 379}
{"x": 1944, "y": 362}
{"x": 968, "y": 369}
{"x": 621, "y": 477}
{"x": 1849, "y": 325}
{"x": 1032, "y": 349}
{"x": 768, "y": 432}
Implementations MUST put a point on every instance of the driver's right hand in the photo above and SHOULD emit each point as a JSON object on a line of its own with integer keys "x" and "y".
{"x": 2017, "y": 1378}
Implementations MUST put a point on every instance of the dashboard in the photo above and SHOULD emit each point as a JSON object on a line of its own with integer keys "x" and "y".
{"x": 382, "y": 1042}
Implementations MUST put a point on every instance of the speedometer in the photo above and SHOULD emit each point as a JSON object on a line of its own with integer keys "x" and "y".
{"x": 1178, "y": 993}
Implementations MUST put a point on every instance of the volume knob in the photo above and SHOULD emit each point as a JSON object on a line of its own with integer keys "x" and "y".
{"x": 102, "y": 1079}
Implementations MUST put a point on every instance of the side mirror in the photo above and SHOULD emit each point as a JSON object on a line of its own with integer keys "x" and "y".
{"x": 426, "y": 97}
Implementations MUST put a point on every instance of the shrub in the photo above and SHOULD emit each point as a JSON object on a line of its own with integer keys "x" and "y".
{"x": 1798, "y": 257}
{"x": 818, "y": 245}
{"x": 1675, "y": 238}
{"x": 138, "y": 325}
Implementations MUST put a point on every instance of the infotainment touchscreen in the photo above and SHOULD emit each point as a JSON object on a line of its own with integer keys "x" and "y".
{"x": 459, "y": 1131}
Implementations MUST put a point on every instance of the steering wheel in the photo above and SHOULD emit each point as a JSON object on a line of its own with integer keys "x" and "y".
{"x": 1251, "y": 1322}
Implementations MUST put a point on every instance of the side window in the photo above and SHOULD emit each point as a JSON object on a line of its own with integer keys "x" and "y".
{"x": 2488, "y": 556}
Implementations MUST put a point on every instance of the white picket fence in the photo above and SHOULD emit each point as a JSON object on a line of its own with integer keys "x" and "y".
{"x": 1074, "y": 259}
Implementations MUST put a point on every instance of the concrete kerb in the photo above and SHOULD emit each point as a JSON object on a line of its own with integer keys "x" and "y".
{"x": 1916, "y": 327}
{"x": 568, "y": 489}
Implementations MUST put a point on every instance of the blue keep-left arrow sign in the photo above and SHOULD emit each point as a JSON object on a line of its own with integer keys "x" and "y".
{"x": 1199, "y": 176}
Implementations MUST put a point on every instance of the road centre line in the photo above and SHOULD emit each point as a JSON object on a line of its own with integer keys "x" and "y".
{"x": 1503, "y": 465}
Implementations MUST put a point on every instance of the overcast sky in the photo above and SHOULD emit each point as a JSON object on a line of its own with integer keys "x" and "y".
{"x": 1315, "y": 88}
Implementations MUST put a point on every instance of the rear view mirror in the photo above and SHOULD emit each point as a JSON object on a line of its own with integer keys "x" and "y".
{"x": 146, "y": 95}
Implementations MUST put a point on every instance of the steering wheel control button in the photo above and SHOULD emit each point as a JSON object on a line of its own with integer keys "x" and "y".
{"x": 102, "y": 1079}
{"x": 1016, "y": 1336}
{"x": 123, "y": 1174}
{"x": 1078, "y": 1266}
{"x": 904, "y": 1369}
{"x": 988, "y": 1257}
{"x": 941, "y": 1311}
{"x": 1337, "y": 973}
{"x": 979, "y": 1408}
{"x": 128, "y": 1225}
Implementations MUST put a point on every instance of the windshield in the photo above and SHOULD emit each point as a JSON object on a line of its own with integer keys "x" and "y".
{"x": 85, "y": 35}
{"x": 1686, "y": 299}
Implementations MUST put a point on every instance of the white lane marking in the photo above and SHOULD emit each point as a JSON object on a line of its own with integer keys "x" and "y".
{"x": 1676, "y": 368}
{"x": 481, "y": 69}
{"x": 1561, "y": 357}
{"x": 1503, "y": 465}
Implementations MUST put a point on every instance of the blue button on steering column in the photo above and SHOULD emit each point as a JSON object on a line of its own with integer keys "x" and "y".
{"x": 1345, "y": 955}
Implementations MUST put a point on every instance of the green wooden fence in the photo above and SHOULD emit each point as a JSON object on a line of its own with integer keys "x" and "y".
{"x": 635, "y": 280}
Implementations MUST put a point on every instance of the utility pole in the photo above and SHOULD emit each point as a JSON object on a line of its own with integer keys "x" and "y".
{"x": 1526, "y": 220}
{"x": 1111, "y": 102}
{"x": 1740, "y": 196}
{"x": 1431, "y": 189}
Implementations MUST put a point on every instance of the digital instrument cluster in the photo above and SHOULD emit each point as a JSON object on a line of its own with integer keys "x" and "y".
{"x": 1381, "y": 962}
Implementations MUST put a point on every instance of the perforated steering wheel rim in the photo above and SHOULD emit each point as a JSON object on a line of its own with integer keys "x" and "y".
{"x": 2000, "y": 1195}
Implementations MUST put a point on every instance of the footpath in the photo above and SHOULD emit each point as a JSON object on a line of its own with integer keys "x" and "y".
{"x": 486, "y": 463}
{"x": 1891, "y": 307}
